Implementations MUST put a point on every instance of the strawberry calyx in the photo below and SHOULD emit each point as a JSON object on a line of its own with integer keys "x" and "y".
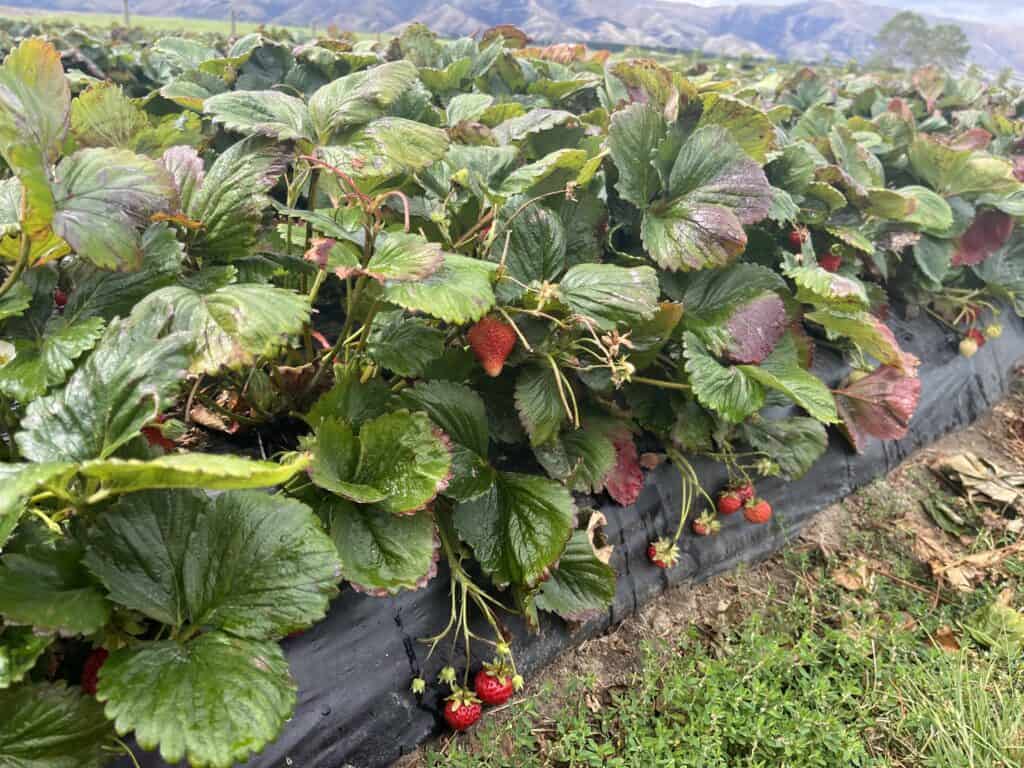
{"x": 663, "y": 553}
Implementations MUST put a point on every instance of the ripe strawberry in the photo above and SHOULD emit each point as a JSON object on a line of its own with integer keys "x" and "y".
{"x": 706, "y": 525}
{"x": 91, "y": 670}
{"x": 663, "y": 553}
{"x": 60, "y": 299}
{"x": 796, "y": 239}
{"x": 745, "y": 492}
{"x": 492, "y": 341}
{"x": 830, "y": 262}
{"x": 729, "y": 502}
{"x": 462, "y": 710}
{"x": 757, "y": 511}
{"x": 493, "y": 685}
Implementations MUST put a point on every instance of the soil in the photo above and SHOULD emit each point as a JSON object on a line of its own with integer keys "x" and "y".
{"x": 715, "y": 606}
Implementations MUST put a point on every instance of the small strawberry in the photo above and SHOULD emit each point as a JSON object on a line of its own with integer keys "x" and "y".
{"x": 462, "y": 710}
{"x": 757, "y": 511}
{"x": 830, "y": 262}
{"x": 492, "y": 340}
{"x": 60, "y": 299}
{"x": 977, "y": 337}
{"x": 493, "y": 684}
{"x": 706, "y": 525}
{"x": 91, "y": 670}
{"x": 729, "y": 502}
{"x": 796, "y": 239}
{"x": 745, "y": 491}
{"x": 968, "y": 347}
{"x": 993, "y": 331}
{"x": 663, "y": 553}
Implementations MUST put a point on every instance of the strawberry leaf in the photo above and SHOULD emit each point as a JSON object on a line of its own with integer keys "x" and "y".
{"x": 633, "y": 138}
{"x": 254, "y": 565}
{"x": 102, "y": 116}
{"x": 48, "y": 725}
{"x": 625, "y": 479}
{"x": 721, "y": 388}
{"x": 989, "y": 232}
{"x": 166, "y": 694}
{"x": 748, "y": 125}
{"x": 264, "y": 113}
{"x": 20, "y": 648}
{"x": 459, "y": 292}
{"x": 104, "y": 199}
{"x": 386, "y": 149}
{"x": 128, "y": 378}
{"x": 382, "y": 553}
{"x": 539, "y": 403}
{"x": 871, "y": 335}
{"x": 879, "y": 405}
{"x": 519, "y": 528}
{"x": 794, "y": 443}
{"x": 18, "y": 483}
{"x": 715, "y": 189}
{"x": 44, "y": 362}
{"x": 358, "y": 98}
{"x": 581, "y": 587}
{"x": 611, "y": 295}
{"x": 782, "y": 371}
{"x": 404, "y": 345}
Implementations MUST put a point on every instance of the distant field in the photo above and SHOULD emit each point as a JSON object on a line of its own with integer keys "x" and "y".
{"x": 147, "y": 22}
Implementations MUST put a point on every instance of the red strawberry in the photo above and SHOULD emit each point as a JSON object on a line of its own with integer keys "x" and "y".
{"x": 729, "y": 502}
{"x": 60, "y": 299}
{"x": 830, "y": 262}
{"x": 492, "y": 341}
{"x": 745, "y": 492}
{"x": 796, "y": 239}
{"x": 663, "y": 553}
{"x": 757, "y": 511}
{"x": 462, "y": 710}
{"x": 977, "y": 337}
{"x": 706, "y": 525}
{"x": 493, "y": 686}
{"x": 91, "y": 670}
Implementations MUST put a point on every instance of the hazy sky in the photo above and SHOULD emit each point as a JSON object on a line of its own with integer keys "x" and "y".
{"x": 971, "y": 10}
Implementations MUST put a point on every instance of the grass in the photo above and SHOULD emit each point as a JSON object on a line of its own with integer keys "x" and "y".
{"x": 815, "y": 675}
{"x": 161, "y": 23}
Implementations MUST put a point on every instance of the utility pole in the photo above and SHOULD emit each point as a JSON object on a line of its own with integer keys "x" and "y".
{"x": 127, "y": 15}
{"x": 234, "y": 22}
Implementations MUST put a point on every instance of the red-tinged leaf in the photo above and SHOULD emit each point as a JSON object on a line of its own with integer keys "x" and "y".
{"x": 973, "y": 139}
{"x": 756, "y": 328}
{"x": 900, "y": 107}
{"x": 879, "y": 405}
{"x": 989, "y": 232}
{"x": 625, "y": 479}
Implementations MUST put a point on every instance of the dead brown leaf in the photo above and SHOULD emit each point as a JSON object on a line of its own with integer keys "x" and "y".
{"x": 945, "y": 639}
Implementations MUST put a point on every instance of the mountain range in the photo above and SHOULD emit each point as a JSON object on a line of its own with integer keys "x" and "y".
{"x": 811, "y": 30}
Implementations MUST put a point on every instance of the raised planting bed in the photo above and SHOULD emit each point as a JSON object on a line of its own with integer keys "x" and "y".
{"x": 311, "y": 350}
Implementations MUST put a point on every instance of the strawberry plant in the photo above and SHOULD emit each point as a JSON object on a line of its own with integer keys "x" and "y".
{"x": 281, "y": 319}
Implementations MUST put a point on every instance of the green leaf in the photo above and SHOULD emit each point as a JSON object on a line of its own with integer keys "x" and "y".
{"x": 48, "y": 725}
{"x": 951, "y": 171}
{"x": 581, "y": 587}
{"x": 721, "y": 388}
{"x": 456, "y": 409}
{"x": 403, "y": 257}
{"x": 20, "y": 648}
{"x": 47, "y": 587}
{"x": 633, "y": 138}
{"x": 716, "y": 190}
{"x": 104, "y": 198}
{"x": 582, "y": 458}
{"x": 263, "y": 113}
{"x": 102, "y": 116}
{"x": 934, "y": 257}
{"x": 100, "y": 293}
{"x": 536, "y": 246}
{"x": 539, "y": 403}
{"x": 231, "y": 200}
{"x": 533, "y": 122}
{"x": 781, "y": 371}
{"x": 42, "y": 363}
{"x": 129, "y": 377}
{"x": 795, "y": 444}
{"x": 15, "y": 301}
{"x": 748, "y": 125}
{"x": 18, "y": 483}
{"x": 385, "y": 149}
{"x": 215, "y": 700}
{"x": 865, "y": 330}
{"x": 467, "y": 106}
{"x": 932, "y": 212}
{"x": 358, "y": 98}
{"x": 519, "y": 528}
{"x": 1003, "y": 273}
{"x": 232, "y": 326}
{"x": 459, "y": 292}
{"x": 221, "y": 472}
{"x": 855, "y": 159}
{"x": 251, "y": 564}
{"x": 404, "y": 345}
{"x": 398, "y": 461}
{"x": 822, "y": 288}
{"x": 524, "y": 178}
{"x": 382, "y": 553}
{"x": 35, "y": 103}
{"x": 350, "y": 401}
{"x": 611, "y": 295}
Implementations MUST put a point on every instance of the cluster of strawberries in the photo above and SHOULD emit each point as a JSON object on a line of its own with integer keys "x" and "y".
{"x": 493, "y": 686}
{"x": 664, "y": 553}
{"x": 830, "y": 261}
